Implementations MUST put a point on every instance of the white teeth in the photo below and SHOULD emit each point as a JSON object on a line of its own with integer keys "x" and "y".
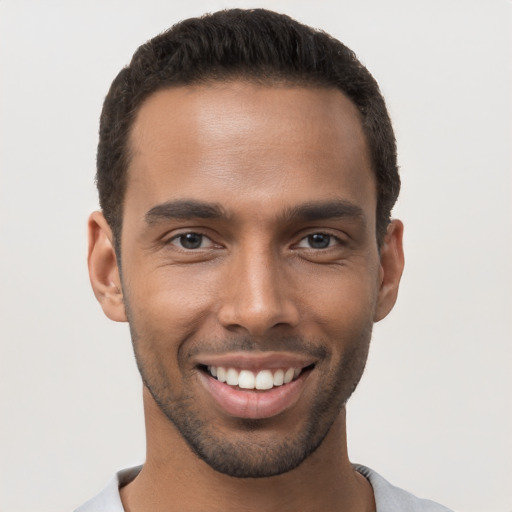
{"x": 246, "y": 379}
{"x": 221, "y": 374}
{"x": 232, "y": 377}
{"x": 279, "y": 378}
{"x": 264, "y": 380}
{"x": 288, "y": 376}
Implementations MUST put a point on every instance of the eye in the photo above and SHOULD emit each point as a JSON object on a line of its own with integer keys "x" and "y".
{"x": 318, "y": 241}
{"x": 190, "y": 241}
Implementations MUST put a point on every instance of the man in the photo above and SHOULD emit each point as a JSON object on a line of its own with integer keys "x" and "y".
{"x": 246, "y": 173}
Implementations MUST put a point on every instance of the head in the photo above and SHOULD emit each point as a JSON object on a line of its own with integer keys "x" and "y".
{"x": 246, "y": 170}
{"x": 257, "y": 46}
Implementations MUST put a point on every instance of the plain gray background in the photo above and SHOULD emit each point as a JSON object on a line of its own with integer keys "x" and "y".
{"x": 433, "y": 412}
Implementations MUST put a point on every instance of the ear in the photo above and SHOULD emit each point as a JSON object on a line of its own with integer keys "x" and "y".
{"x": 391, "y": 268}
{"x": 103, "y": 269}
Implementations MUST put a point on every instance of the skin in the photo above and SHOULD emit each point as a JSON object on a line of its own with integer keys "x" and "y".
{"x": 256, "y": 284}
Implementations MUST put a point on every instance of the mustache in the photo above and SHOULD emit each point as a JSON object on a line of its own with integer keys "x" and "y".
{"x": 293, "y": 344}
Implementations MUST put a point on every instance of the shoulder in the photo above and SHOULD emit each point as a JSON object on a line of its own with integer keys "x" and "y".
{"x": 109, "y": 499}
{"x": 389, "y": 498}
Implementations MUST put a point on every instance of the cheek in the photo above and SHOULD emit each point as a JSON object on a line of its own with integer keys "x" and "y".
{"x": 159, "y": 323}
{"x": 344, "y": 306}
{"x": 165, "y": 307}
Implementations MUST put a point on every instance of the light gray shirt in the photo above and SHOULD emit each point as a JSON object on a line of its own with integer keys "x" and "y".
{"x": 388, "y": 498}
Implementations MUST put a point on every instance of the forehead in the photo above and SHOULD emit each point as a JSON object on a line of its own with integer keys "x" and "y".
{"x": 256, "y": 144}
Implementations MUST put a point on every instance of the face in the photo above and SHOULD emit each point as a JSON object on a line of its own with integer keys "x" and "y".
{"x": 251, "y": 275}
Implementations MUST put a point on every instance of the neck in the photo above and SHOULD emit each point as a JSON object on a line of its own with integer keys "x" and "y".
{"x": 174, "y": 478}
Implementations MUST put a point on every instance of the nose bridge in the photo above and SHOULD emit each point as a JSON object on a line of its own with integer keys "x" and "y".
{"x": 259, "y": 298}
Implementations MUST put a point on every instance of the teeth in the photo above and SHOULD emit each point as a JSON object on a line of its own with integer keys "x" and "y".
{"x": 246, "y": 379}
{"x": 264, "y": 380}
{"x": 221, "y": 374}
{"x": 232, "y": 377}
{"x": 279, "y": 378}
{"x": 288, "y": 376}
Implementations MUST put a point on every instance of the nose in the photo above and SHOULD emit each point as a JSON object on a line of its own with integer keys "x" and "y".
{"x": 258, "y": 295}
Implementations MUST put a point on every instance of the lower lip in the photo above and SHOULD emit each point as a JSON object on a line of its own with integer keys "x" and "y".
{"x": 254, "y": 404}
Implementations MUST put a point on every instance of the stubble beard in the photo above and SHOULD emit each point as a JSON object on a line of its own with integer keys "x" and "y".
{"x": 247, "y": 456}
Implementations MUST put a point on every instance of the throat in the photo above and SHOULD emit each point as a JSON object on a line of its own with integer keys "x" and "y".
{"x": 174, "y": 478}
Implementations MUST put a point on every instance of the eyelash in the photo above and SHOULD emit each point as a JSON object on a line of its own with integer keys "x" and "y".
{"x": 202, "y": 237}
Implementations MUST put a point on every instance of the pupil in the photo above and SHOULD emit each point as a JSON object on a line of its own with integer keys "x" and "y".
{"x": 191, "y": 240}
{"x": 319, "y": 241}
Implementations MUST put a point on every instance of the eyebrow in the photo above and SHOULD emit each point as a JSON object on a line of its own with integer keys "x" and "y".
{"x": 184, "y": 209}
{"x": 324, "y": 210}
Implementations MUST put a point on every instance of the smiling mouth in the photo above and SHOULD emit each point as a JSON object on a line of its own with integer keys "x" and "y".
{"x": 255, "y": 387}
{"x": 261, "y": 380}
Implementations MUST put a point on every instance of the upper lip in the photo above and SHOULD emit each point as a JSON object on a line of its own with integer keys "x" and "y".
{"x": 255, "y": 361}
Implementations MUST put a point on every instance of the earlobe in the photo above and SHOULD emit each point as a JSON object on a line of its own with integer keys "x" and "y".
{"x": 103, "y": 268}
{"x": 391, "y": 268}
